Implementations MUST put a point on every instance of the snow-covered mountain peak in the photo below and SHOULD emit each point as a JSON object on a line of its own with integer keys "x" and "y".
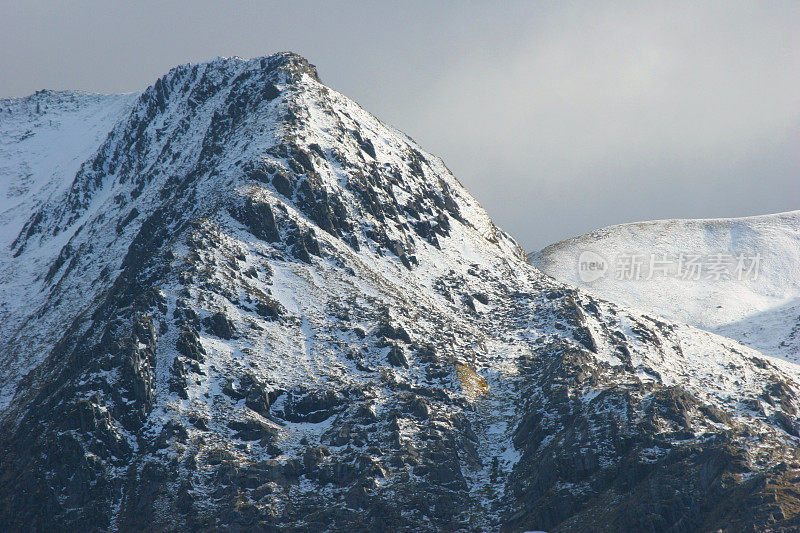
{"x": 287, "y": 118}
{"x": 255, "y": 306}
{"x": 261, "y": 141}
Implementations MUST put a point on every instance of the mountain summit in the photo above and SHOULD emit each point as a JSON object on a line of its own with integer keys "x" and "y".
{"x": 241, "y": 302}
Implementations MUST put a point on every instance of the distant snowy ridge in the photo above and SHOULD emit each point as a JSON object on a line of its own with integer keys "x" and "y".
{"x": 44, "y": 139}
{"x": 758, "y": 305}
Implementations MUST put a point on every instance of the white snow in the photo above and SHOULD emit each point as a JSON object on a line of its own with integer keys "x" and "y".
{"x": 44, "y": 140}
{"x": 761, "y": 310}
{"x": 40, "y": 152}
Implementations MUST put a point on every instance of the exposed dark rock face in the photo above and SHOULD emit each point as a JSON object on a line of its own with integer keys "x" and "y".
{"x": 306, "y": 323}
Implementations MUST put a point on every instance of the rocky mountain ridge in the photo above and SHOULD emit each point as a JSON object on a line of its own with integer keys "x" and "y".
{"x": 257, "y": 307}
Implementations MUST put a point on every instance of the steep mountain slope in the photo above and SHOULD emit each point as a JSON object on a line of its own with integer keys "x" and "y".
{"x": 44, "y": 140}
{"x": 46, "y": 137}
{"x": 736, "y": 277}
{"x": 264, "y": 309}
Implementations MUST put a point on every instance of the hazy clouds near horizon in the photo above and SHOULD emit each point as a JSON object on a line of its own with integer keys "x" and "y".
{"x": 559, "y": 117}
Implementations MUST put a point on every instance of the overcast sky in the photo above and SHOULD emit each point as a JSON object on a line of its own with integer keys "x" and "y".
{"x": 559, "y": 117}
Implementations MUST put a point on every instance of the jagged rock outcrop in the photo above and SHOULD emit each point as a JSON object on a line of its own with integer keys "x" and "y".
{"x": 262, "y": 309}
